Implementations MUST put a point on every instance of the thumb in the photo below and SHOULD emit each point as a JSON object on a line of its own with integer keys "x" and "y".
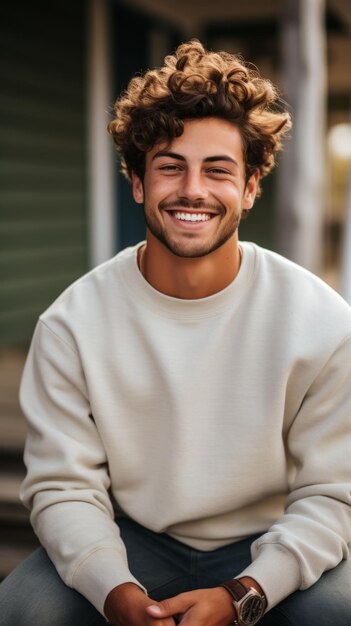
{"x": 169, "y": 607}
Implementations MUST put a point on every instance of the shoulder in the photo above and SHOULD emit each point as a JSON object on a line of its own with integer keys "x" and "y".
{"x": 292, "y": 291}
{"x": 287, "y": 275}
{"x": 93, "y": 294}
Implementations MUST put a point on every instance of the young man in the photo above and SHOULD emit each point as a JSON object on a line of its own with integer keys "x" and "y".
{"x": 188, "y": 401}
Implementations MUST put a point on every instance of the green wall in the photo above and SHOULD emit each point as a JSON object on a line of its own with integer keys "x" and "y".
{"x": 43, "y": 198}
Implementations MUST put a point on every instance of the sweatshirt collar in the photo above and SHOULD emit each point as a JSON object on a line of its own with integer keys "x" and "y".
{"x": 229, "y": 297}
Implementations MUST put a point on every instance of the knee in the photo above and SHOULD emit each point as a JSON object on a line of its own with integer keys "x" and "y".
{"x": 34, "y": 594}
{"x": 327, "y": 602}
{"x": 20, "y": 610}
{"x": 40, "y": 613}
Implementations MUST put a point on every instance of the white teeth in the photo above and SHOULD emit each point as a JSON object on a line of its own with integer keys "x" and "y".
{"x": 192, "y": 217}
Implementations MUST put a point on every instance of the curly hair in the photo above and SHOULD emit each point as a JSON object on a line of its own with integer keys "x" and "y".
{"x": 196, "y": 83}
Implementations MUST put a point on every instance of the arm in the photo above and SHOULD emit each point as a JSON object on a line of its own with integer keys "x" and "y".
{"x": 67, "y": 481}
{"x": 313, "y": 534}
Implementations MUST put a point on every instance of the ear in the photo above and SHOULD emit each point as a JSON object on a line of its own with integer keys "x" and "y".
{"x": 137, "y": 187}
{"x": 251, "y": 190}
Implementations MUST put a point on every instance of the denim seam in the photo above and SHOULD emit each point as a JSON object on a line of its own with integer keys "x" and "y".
{"x": 194, "y": 568}
{"x": 167, "y": 582}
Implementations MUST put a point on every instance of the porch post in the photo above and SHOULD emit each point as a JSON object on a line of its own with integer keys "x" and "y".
{"x": 301, "y": 184}
{"x": 102, "y": 184}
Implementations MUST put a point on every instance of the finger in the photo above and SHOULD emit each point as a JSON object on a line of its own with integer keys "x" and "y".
{"x": 167, "y": 621}
{"x": 171, "y": 606}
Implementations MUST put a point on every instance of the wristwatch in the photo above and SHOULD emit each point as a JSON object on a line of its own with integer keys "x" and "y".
{"x": 249, "y": 604}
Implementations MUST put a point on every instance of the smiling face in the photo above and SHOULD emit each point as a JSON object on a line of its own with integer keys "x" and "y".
{"x": 194, "y": 188}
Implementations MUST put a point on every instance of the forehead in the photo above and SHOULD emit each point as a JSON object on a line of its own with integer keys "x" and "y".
{"x": 204, "y": 138}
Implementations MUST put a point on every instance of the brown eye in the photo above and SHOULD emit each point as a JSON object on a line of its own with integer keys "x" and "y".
{"x": 218, "y": 170}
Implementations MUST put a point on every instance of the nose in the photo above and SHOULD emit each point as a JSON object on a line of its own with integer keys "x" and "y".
{"x": 193, "y": 187}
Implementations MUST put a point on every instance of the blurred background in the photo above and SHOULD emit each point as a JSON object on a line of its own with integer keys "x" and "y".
{"x": 64, "y": 206}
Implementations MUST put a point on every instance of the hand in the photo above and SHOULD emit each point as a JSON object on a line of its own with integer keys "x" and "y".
{"x": 202, "y": 607}
{"x": 126, "y": 605}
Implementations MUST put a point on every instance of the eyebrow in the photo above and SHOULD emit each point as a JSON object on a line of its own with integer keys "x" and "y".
{"x": 179, "y": 157}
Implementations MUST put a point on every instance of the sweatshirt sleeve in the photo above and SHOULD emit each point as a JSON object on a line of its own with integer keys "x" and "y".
{"x": 314, "y": 533}
{"x": 67, "y": 481}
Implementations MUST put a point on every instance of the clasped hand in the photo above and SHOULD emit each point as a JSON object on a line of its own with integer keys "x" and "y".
{"x": 127, "y": 605}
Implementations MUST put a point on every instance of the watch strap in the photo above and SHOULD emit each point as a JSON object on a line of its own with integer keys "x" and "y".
{"x": 243, "y": 597}
{"x": 236, "y": 589}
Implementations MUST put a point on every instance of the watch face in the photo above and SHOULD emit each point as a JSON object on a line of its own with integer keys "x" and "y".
{"x": 252, "y": 610}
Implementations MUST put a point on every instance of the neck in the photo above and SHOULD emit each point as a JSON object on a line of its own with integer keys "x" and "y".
{"x": 189, "y": 278}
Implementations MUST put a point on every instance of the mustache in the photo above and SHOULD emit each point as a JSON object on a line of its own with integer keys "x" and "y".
{"x": 182, "y": 203}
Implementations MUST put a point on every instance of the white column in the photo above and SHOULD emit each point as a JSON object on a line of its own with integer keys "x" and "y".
{"x": 302, "y": 185}
{"x": 311, "y": 126}
{"x": 102, "y": 190}
{"x": 346, "y": 256}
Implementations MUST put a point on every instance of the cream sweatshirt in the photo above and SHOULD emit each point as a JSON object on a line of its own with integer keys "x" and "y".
{"x": 209, "y": 419}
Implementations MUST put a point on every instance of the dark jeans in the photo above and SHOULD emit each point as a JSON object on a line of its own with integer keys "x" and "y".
{"x": 34, "y": 594}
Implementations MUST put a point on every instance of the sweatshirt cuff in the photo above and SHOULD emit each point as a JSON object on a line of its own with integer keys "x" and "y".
{"x": 276, "y": 570}
{"x": 99, "y": 573}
